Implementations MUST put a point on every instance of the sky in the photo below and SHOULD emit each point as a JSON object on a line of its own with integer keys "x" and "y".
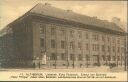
{"x": 104, "y": 10}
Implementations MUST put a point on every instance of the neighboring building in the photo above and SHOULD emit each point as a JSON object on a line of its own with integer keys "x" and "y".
{"x": 121, "y": 24}
{"x": 55, "y": 38}
{"x": 0, "y": 52}
{"x": 6, "y": 47}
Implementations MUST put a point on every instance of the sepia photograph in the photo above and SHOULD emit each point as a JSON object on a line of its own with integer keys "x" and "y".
{"x": 75, "y": 40}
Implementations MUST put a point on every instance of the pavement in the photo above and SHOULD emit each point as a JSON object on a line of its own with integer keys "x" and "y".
{"x": 90, "y": 69}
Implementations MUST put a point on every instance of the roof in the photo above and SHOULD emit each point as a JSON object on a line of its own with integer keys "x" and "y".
{"x": 49, "y": 10}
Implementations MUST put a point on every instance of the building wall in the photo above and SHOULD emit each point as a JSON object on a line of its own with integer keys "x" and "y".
{"x": 6, "y": 49}
{"x": 90, "y": 57}
{"x": 23, "y": 43}
{"x": 1, "y": 49}
{"x": 64, "y": 45}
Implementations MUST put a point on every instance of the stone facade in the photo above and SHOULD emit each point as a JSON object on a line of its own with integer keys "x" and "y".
{"x": 77, "y": 47}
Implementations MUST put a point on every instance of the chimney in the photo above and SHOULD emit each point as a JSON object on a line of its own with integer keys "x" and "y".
{"x": 95, "y": 17}
{"x": 69, "y": 10}
{"x": 116, "y": 20}
{"x": 47, "y": 4}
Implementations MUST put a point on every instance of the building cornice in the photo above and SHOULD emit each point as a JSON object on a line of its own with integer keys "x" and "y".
{"x": 76, "y": 24}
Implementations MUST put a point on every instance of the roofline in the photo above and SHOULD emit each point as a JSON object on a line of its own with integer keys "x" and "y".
{"x": 22, "y": 16}
{"x": 54, "y": 18}
{"x": 29, "y": 13}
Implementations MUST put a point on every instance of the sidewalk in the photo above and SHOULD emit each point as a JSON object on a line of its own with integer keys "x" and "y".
{"x": 90, "y": 69}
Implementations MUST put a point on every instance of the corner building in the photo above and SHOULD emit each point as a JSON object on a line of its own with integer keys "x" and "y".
{"x": 50, "y": 37}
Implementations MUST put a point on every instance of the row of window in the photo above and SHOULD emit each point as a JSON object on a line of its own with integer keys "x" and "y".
{"x": 80, "y": 57}
{"x": 64, "y": 57}
{"x": 94, "y": 36}
{"x": 86, "y": 64}
{"x": 109, "y": 58}
{"x": 95, "y": 47}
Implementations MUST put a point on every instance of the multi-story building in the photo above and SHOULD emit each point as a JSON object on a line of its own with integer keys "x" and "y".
{"x": 6, "y": 47}
{"x": 50, "y": 37}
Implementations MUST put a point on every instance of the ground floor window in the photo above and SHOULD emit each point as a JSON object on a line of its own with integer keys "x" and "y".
{"x": 80, "y": 57}
{"x": 63, "y": 56}
{"x": 72, "y": 56}
{"x": 118, "y": 58}
{"x": 109, "y": 58}
{"x": 114, "y": 58}
{"x": 53, "y": 56}
{"x": 103, "y": 57}
{"x": 87, "y": 58}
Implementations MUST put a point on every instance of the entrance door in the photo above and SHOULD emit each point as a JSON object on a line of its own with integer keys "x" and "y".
{"x": 44, "y": 58}
{"x": 96, "y": 60}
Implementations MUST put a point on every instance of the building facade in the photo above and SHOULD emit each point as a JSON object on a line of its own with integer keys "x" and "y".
{"x": 68, "y": 40}
{"x": 6, "y": 47}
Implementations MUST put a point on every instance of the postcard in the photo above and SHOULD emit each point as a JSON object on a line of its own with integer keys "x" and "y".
{"x": 63, "y": 40}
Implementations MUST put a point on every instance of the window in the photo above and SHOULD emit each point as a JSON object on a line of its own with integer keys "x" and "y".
{"x": 62, "y": 44}
{"x": 63, "y": 64}
{"x": 93, "y": 47}
{"x": 53, "y": 31}
{"x": 71, "y": 33}
{"x": 109, "y": 49}
{"x": 114, "y": 58}
{"x": 103, "y": 38}
{"x": 97, "y": 46}
{"x": 54, "y": 64}
{"x": 52, "y": 43}
{"x": 123, "y": 58}
{"x": 63, "y": 56}
{"x": 118, "y": 49}
{"x": 113, "y": 48}
{"x": 87, "y": 35}
{"x": 79, "y": 45}
{"x": 80, "y": 57}
{"x": 118, "y": 41}
{"x": 109, "y": 58}
{"x": 79, "y": 34}
{"x": 87, "y": 47}
{"x": 122, "y": 50}
{"x": 72, "y": 57}
{"x": 53, "y": 56}
{"x": 62, "y": 32}
{"x": 95, "y": 36}
{"x": 42, "y": 30}
{"x": 87, "y": 57}
{"x": 103, "y": 57}
{"x": 108, "y": 39}
{"x": 103, "y": 47}
{"x": 71, "y": 45}
{"x": 118, "y": 58}
{"x": 113, "y": 40}
{"x": 41, "y": 42}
